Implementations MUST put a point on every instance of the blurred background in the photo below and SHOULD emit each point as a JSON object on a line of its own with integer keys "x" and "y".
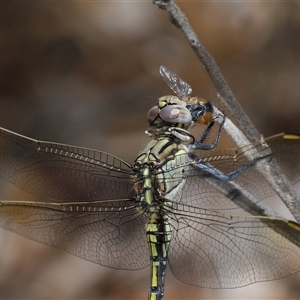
{"x": 86, "y": 73}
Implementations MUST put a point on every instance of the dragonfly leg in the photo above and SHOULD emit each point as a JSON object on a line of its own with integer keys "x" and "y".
{"x": 225, "y": 176}
{"x": 199, "y": 145}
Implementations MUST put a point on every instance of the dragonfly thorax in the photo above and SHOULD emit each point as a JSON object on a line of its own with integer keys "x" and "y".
{"x": 154, "y": 169}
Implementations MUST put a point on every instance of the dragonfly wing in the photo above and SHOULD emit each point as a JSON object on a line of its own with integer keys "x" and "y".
{"x": 286, "y": 152}
{"x": 187, "y": 175}
{"x": 110, "y": 238}
{"x": 213, "y": 250}
{"x": 61, "y": 172}
{"x": 191, "y": 170}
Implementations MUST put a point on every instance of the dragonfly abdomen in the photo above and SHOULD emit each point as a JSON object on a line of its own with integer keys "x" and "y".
{"x": 158, "y": 238}
{"x": 158, "y": 231}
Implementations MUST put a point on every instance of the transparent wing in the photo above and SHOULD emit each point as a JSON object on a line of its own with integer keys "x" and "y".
{"x": 60, "y": 172}
{"x": 113, "y": 237}
{"x": 193, "y": 190}
{"x": 187, "y": 175}
{"x": 87, "y": 210}
{"x": 285, "y": 149}
{"x": 287, "y": 154}
{"x": 214, "y": 250}
{"x": 177, "y": 85}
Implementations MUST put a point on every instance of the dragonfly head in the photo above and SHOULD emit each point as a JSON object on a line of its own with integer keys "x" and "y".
{"x": 174, "y": 112}
{"x": 170, "y": 111}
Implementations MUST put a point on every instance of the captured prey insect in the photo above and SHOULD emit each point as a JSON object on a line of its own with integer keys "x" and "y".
{"x": 183, "y": 111}
{"x": 161, "y": 210}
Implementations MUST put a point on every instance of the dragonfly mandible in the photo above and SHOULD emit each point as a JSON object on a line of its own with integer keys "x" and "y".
{"x": 160, "y": 210}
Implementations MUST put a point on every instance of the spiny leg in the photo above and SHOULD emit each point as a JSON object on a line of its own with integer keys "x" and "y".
{"x": 199, "y": 145}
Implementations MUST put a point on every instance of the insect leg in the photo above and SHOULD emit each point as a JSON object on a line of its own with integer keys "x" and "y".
{"x": 200, "y": 144}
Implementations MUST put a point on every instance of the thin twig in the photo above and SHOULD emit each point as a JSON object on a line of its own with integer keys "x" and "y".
{"x": 271, "y": 171}
{"x": 226, "y": 96}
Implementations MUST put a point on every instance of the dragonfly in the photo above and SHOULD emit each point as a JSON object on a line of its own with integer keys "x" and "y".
{"x": 160, "y": 211}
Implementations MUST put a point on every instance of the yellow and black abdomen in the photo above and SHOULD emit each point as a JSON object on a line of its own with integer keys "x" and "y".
{"x": 158, "y": 237}
{"x": 158, "y": 175}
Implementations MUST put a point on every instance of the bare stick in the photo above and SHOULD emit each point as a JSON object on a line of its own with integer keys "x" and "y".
{"x": 271, "y": 170}
{"x": 226, "y": 96}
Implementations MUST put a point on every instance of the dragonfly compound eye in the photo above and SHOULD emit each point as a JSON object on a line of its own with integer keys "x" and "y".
{"x": 170, "y": 114}
{"x": 153, "y": 113}
{"x": 176, "y": 114}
